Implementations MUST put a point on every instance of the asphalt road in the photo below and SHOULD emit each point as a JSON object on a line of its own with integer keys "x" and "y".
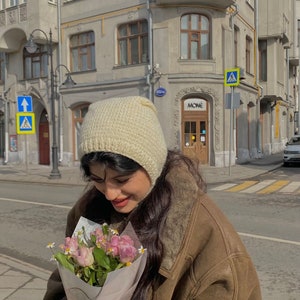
{"x": 269, "y": 226}
{"x": 32, "y": 215}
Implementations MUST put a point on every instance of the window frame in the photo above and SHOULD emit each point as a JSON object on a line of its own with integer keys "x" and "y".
{"x": 77, "y": 119}
{"x": 263, "y": 62}
{"x": 248, "y": 54}
{"x": 2, "y": 66}
{"x": 39, "y": 57}
{"x": 125, "y": 43}
{"x": 191, "y": 37}
{"x": 236, "y": 44}
{"x": 85, "y": 51}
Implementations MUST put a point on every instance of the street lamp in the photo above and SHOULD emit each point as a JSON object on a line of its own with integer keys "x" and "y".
{"x": 69, "y": 82}
{"x": 31, "y": 47}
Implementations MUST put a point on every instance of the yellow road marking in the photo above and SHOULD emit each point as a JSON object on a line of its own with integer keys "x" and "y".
{"x": 274, "y": 187}
{"x": 242, "y": 186}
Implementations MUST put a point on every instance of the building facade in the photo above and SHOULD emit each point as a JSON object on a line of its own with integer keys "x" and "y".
{"x": 176, "y": 53}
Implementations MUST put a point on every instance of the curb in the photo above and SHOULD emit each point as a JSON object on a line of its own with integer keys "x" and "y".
{"x": 24, "y": 267}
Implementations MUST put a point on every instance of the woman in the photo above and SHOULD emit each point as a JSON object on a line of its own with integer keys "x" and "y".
{"x": 193, "y": 252}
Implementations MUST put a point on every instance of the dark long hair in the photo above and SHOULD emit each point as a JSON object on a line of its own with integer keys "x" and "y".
{"x": 148, "y": 218}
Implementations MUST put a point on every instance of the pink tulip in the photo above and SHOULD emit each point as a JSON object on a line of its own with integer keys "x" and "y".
{"x": 127, "y": 251}
{"x": 84, "y": 256}
{"x": 113, "y": 246}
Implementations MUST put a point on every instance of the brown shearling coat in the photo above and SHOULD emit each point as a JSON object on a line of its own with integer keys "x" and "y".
{"x": 204, "y": 256}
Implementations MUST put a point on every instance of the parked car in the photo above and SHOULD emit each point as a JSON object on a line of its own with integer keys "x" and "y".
{"x": 291, "y": 153}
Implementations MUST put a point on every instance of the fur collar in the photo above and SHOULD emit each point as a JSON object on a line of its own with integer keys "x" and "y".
{"x": 185, "y": 193}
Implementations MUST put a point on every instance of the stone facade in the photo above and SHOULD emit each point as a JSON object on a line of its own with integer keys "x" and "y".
{"x": 260, "y": 125}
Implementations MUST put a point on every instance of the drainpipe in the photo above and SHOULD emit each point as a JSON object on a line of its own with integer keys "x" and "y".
{"x": 288, "y": 91}
{"x": 232, "y": 90}
{"x": 150, "y": 50}
{"x": 6, "y": 112}
{"x": 60, "y": 101}
{"x": 259, "y": 148}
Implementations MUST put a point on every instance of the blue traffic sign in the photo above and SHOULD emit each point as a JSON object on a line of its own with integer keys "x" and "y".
{"x": 232, "y": 77}
{"x": 25, "y": 123}
{"x": 25, "y": 104}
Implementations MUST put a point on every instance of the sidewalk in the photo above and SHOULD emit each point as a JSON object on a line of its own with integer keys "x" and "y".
{"x": 71, "y": 175}
{"x": 20, "y": 280}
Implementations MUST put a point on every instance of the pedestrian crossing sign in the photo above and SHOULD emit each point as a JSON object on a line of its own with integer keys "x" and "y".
{"x": 232, "y": 77}
{"x": 25, "y": 123}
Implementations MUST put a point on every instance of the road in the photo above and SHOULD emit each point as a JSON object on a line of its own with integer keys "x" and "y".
{"x": 32, "y": 215}
{"x": 269, "y": 226}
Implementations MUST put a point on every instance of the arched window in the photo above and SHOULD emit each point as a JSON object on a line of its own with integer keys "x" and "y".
{"x": 195, "y": 37}
{"x": 79, "y": 113}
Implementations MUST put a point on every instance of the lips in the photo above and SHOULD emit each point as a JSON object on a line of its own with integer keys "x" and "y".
{"x": 120, "y": 203}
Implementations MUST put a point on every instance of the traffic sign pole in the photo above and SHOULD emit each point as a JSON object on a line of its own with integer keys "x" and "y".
{"x": 231, "y": 128}
{"x": 232, "y": 79}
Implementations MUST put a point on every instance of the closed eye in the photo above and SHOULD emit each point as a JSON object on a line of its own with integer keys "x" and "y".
{"x": 96, "y": 179}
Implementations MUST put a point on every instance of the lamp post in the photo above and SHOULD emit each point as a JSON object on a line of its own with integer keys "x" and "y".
{"x": 31, "y": 47}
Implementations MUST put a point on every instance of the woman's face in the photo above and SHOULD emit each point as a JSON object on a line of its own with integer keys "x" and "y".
{"x": 124, "y": 191}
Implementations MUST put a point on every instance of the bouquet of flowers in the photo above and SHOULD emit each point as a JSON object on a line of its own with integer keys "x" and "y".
{"x": 96, "y": 260}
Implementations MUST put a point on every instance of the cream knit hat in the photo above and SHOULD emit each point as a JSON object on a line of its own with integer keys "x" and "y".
{"x": 128, "y": 126}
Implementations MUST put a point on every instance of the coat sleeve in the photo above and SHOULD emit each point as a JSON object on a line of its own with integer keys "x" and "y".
{"x": 234, "y": 279}
{"x": 55, "y": 289}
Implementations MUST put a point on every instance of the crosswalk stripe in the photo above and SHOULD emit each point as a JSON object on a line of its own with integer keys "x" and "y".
{"x": 291, "y": 187}
{"x": 261, "y": 185}
{"x": 240, "y": 187}
{"x": 274, "y": 187}
{"x": 224, "y": 187}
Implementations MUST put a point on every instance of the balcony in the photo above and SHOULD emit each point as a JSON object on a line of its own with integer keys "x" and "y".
{"x": 13, "y": 15}
{"x": 212, "y": 3}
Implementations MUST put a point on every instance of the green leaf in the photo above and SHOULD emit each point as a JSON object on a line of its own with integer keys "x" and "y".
{"x": 93, "y": 239}
{"x": 101, "y": 277}
{"x": 105, "y": 229}
{"x": 101, "y": 258}
{"x": 64, "y": 261}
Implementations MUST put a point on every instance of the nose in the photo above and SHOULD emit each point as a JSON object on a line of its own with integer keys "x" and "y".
{"x": 111, "y": 192}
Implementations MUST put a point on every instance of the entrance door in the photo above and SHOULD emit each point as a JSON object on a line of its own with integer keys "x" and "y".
{"x": 44, "y": 148}
{"x": 195, "y": 129}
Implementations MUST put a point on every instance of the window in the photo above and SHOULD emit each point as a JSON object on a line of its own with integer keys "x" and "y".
{"x": 298, "y": 33}
{"x": 78, "y": 117}
{"x": 13, "y": 3}
{"x": 262, "y": 47}
{"x": 248, "y": 54}
{"x": 82, "y": 47}
{"x": 133, "y": 43}
{"x": 36, "y": 64}
{"x": 2, "y": 4}
{"x": 236, "y": 35}
{"x": 195, "y": 37}
{"x": 2, "y": 66}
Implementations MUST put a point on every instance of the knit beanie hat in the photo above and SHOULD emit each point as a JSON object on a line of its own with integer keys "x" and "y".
{"x": 128, "y": 126}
